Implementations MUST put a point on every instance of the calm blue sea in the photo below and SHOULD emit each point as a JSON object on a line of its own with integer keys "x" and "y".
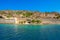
{"x": 29, "y": 32}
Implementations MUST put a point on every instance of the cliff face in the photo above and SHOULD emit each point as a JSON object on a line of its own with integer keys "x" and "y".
{"x": 31, "y": 17}
{"x": 10, "y": 13}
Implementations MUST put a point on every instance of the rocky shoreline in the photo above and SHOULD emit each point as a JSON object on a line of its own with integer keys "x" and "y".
{"x": 28, "y": 17}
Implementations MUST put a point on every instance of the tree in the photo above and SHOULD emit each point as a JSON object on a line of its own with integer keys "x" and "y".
{"x": 33, "y": 21}
{"x": 27, "y": 14}
{"x": 19, "y": 12}
{"x": 38, "y": 21}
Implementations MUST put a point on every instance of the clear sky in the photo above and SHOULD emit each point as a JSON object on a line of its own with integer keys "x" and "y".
{"x": 34, "y": 5}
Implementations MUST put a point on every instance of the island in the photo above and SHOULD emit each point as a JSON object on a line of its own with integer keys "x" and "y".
{"x": 29, "y": 17}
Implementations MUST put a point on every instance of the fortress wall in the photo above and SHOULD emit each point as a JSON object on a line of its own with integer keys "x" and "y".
{"x": 7, "y": 21}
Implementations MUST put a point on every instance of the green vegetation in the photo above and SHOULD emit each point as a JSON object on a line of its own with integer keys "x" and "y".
{"x": 38, "y": 21}
{"x": 58, "y": 16}
{"x": 27, "y": 14}
{"x": 2, "y": 12}
{"x": 30, "y": 17}
{"x": 8, "y": 15}
{"x": 33, "y": 21}
{"x": 18, "y": 12}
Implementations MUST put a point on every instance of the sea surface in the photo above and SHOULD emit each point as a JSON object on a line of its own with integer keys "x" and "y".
{"x": 29, "y": 32}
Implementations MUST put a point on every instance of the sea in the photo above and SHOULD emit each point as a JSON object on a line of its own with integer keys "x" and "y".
{"x": 29, "y": 32}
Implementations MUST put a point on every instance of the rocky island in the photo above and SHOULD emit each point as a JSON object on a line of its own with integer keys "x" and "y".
{"x": 29, "y": 17}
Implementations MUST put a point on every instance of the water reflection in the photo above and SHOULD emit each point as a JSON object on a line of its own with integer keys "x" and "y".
{"x": 29, "y": 32}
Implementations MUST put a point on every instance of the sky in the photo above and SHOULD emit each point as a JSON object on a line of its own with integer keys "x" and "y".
{"x": 32, "y": 5}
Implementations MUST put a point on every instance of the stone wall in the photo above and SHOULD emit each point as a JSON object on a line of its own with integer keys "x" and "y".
{"x": 50, "y": 21}
{"x": 10, "y": 21}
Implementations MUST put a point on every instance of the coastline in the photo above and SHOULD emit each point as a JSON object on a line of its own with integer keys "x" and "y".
{"x": 26, "y": 17}
{"x": 29, "y": 24}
